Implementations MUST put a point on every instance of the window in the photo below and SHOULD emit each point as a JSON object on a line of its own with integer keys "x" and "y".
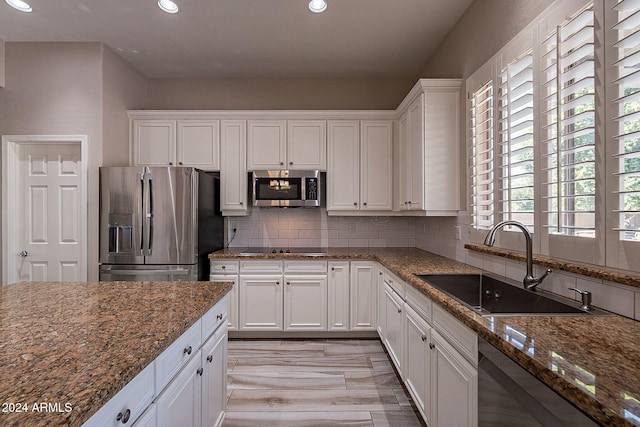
{"x": 569, "y": 107}
{"x": 515, "y": 154}
{"x": 481, "y": 114}
{"x": 627, "y": 120}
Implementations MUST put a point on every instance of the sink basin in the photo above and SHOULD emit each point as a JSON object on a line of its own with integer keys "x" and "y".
{"x": 492, "y": 295}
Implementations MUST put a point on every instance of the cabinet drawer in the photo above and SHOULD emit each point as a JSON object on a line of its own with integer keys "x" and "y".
{"x": 224, "y": 267}
{"x": 304, "y": 267}
{"x": 419, "y": 302}
{"x": 173, "y": 358}
{"x": 456, "y": 333}
{"x": 134, "y": 398}
{"x": 213, "y": 318}
{"x": 396, "y": 284}
{"x": 260, "y": 267}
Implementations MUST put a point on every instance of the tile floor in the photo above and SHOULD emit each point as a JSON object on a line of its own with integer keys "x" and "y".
{"x": 315, "y": 383}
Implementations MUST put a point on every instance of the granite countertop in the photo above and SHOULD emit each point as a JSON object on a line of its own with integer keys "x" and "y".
{"x": 73, "y": 345}
{"x": 593, "y": 361}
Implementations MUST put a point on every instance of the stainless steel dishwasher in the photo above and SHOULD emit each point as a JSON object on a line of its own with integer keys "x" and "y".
{"x": 509, "y": 396}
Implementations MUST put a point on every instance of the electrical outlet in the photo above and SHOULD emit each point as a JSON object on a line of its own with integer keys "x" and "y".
{"x": 457, "y": 232}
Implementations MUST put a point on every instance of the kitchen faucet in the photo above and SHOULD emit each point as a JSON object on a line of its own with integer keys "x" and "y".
{"x": 529, "y": 281}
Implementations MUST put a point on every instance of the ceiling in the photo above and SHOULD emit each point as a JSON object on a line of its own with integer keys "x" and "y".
{"x": 248, "y": 38}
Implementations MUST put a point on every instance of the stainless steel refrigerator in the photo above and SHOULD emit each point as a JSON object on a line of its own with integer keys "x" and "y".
{"x": 158, "y": 223}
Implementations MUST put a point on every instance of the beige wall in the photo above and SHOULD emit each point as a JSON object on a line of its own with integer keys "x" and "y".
{"x": 73, "y": 89}
{"x": 2, "y": 63}
{"x": 277, "y": 94}
{"x": 123, "y": 89}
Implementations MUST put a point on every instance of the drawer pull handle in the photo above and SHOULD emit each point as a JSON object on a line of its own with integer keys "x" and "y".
{"x": 210, "y": 358}
{"x": 187, "y": 350}
{"x": 219, "y": 316}
{"x": 399, "y": 310}
{"x": 200, "y": 371}
{"x": 224, "y": 266}
{"x": 124, "y": 416}
{"x": 432, "y": 345}
{"x": 423, "y": 337}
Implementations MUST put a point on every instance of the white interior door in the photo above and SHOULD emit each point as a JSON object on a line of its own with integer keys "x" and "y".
{"x": 48, "y": 225}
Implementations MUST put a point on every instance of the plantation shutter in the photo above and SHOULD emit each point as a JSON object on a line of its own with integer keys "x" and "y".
{"x": 482, "y": 168}
{"x": 627, "y": 102}
{"x": 515, "y": 153}
{"x": 569, "y": 126}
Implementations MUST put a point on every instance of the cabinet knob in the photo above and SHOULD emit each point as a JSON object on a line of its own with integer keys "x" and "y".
{"x": 423, "y": 337}
{"x": 333, "y": 269}
{"x": 199, "y": 371}
{"x": 289, "y": 283}
{"x": 432, "y": 345}
{"x": 241, "y": 203}
{"x": 124, "y": 416}
{"x": 380, "y": 273}
{"x": 187, "y": 350}
{"x": 282, "y": 163}
{"x": 180, "y": 163}
{"x": 219, "y": 316}
{"x": 170, "y": 163}
{"x": 355, "y": 203}
{"x": 290, "y": 163}
{"x": 277, "y": 283}
{"x": 224, "y": 267}
{"x": 365, "y": 203}
{"x": 399, "y": 310}
{"x": 210, "y": 358}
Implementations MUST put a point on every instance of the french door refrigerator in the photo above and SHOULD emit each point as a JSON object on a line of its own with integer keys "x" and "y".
{"x": 158, "y": 223}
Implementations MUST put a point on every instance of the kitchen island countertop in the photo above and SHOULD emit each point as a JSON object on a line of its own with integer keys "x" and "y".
{"x": 66, "y": 348}
{"x": 593, "y": 361}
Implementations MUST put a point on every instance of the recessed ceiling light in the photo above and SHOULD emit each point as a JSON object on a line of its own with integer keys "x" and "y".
{"x": 317, "y": 6}
{"x": 168, "y": 6}
{"x": 19, "y": 5}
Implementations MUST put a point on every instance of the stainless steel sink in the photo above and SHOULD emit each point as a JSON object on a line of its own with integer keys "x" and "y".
{"x": 491, "y": 295}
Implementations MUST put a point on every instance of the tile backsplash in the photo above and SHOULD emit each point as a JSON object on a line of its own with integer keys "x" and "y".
{"x": 267, "y": 227}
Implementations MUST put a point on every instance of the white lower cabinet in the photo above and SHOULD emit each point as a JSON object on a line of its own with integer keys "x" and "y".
{"x": 363, "y": 296}
{"x": 214, "y": 379}
{"x": 148, "y": 419}
{"x": 454, "y": 386}
{"x": 338, "y": 289}
{"x": 394, "y": 333}
{"x": 305, "y": 303}
{"x": 181, "y": 402}
{"x": 260, "y": 303}
{"x": 417, "y": 366}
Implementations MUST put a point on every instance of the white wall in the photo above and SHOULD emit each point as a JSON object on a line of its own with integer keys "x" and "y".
{"x": 60, "y": 89}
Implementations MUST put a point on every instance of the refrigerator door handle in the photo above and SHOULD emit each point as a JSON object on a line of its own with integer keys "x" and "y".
{"x": 150, "y": 215}
{"x": 142, "y": 206}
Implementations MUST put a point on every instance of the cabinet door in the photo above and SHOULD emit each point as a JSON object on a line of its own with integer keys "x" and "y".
{"x": 454, "y": 385}
{"x": 381, "y": 301}
{"x": 266, "y": 144}
{"x": 405, "y": 164}
{"x": 376, "y": 177}
{"x": 148, "y": 419}
{"x": 415, "y": 160}
{"x": 154, "y": 142}
{"x": 393, "y": 315}
{"x": 233, "y": 168}
{"x": 260, "y": 303}
{"x": 307, "y": 144}
{"x": 180, "y": 403}
{"x": 343, "y": 166}
{"x": 198, "y": 144}
{"x": 338, "y": 295}
{"x": 214, "y": 379}
{"x": 232, "y": 305}
{"x": 363, "y": 296}
{"x": 417, "y": 361}
{"x": 305, "y": 303}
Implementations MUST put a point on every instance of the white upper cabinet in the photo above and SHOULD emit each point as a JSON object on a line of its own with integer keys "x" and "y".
{"x": 266, "y": 144}
{"x": 198, "y": 144}
{"x": 233, "y": 168}
{"x": 360, "y": 165}
{"x": 429, "y": 139}
{"x": 177, "y": 143}
{"x": 287, "y": 144}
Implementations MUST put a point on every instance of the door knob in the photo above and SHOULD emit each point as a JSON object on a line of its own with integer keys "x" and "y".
{"x": 23, "y": 253}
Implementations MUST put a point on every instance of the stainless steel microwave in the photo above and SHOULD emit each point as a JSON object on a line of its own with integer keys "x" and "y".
{"x": 288, "y": 188}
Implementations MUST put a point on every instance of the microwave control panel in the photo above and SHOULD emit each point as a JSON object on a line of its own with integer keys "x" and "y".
{"x": 311, "y": 188}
